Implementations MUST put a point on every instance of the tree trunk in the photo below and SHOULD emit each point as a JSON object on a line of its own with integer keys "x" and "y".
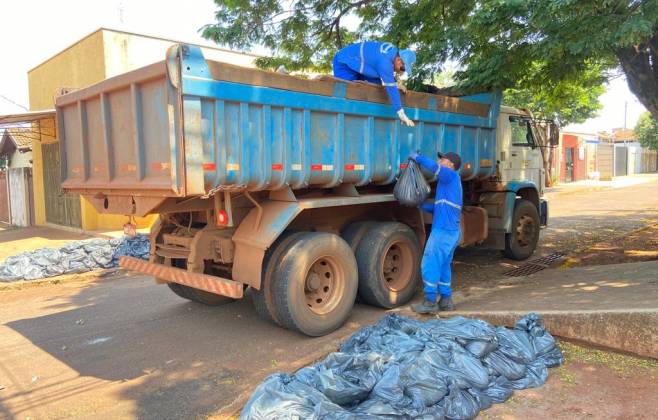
{"x": 640, "y": 64}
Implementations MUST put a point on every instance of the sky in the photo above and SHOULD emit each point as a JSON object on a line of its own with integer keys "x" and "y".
{"x": 34, "y": 30}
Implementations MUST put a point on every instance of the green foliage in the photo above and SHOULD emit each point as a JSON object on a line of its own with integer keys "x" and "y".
{"x": 531, "y": 46}
{"x": 568, "y": 101}
{"x": 646, "y": 131}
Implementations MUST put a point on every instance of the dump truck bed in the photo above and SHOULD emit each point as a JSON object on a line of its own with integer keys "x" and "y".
{"x": 186, "y": 126}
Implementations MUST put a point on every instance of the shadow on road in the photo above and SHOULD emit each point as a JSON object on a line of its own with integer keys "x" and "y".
{"x": 130, "y": 340}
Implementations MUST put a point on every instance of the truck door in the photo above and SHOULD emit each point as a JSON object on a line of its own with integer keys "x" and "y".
{"x": 526, "y": 160}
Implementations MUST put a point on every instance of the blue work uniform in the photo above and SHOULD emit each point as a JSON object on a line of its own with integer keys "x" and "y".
{"x": 370, "y": 61}
{"x": 444, "y": 238}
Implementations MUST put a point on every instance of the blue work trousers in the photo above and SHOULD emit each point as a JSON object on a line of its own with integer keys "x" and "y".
{"x": 343, "y": 71}
{"x": 436, "y": 264}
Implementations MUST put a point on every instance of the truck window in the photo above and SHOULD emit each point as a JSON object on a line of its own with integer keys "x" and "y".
{"x": 521, "y": 133}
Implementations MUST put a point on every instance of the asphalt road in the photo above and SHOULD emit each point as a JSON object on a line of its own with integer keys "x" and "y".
{"x": 123, "y": 347}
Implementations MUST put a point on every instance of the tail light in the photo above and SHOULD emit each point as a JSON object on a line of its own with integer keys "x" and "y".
{"x": 222, "y": 218}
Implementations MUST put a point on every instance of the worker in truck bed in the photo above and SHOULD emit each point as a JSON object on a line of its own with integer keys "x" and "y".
{"x": 436, "y": 267}
{"x": 376, "y": 62}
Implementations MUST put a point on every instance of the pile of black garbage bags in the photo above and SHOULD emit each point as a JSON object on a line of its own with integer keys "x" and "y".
{"x": 75, "y": 257}
{"x": 403, "y": 368}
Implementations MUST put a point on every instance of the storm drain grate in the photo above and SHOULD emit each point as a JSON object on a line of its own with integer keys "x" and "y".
{"x": 534, "y": 266}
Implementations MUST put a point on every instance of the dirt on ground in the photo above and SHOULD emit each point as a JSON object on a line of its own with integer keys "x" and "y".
{"x": 591, "y": 384}
{"x": 17, "y": 240}
{"x": 638, "y": 246}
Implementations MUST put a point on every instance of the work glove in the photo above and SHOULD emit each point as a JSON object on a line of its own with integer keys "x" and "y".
{"x": 402, "y": 88}
{"x": 414, "y": 155}
{"x": 404, "y": 119}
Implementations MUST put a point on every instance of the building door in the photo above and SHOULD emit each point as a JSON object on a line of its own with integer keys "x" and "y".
{"x": 4, "y": 197}
{"x": 61, "y": 209}
{"x": 568, "y": 161}
{"x": 621, "y": 161}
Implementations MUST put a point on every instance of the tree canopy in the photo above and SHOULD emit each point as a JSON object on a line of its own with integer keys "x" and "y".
{"x": 646, "y": 131}
{"x": 545, "y": 47}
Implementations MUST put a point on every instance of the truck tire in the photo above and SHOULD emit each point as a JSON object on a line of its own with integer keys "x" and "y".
{"x": 196, "y": 295}
{"x": 522, "y": 241}
{"x": 389, "y": 263}
{"x": 315, "y": 284}
{"x": 354, "y": 232}
{"x": 263, "y": 298}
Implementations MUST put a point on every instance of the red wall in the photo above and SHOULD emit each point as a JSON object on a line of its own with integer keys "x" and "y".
{"x": 579, "y": 166}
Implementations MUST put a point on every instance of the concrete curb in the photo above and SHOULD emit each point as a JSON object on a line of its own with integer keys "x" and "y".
{"x": 627, "y": 330}
{"x": 551, "y": 195}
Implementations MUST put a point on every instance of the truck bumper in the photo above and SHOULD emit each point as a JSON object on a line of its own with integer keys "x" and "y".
{"x": 543, "y": 213}
{"x": 212, "y": 284}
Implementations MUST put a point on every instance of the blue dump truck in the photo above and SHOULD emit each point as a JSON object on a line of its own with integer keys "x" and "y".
{"x": 281, "y": 187}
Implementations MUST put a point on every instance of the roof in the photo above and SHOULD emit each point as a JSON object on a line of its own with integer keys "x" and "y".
{"x": 27, "y": 117}
{"x": 16, "y": 138}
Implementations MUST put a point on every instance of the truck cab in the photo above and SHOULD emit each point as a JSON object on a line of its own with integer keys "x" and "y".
{"x": 514, "y": 200}
{"x": 519, "y": 152}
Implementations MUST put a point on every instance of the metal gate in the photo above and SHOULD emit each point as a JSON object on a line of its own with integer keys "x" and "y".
{"x": 621, "y": 161}
{"x": 4, "y": 198}
{"x": 20, "y": 196}
{"x": 61, "y": 209}
{"x": 569, "y": 164}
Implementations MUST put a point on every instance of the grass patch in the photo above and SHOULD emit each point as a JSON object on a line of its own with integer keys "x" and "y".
{"x": 619, "y": 363}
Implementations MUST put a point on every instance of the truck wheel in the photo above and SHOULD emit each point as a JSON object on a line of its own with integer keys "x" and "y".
{"x": 353, "y": 233}
{"x": 522, "y": 241}
{"x": 389, "y": 262}
{"x": 263, "y": 299}
{"x": 315, "y": 284}
{"x": 196, "y": 295}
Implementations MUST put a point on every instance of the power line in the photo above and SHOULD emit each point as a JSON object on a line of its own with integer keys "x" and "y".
{"x": 13, "y": 102}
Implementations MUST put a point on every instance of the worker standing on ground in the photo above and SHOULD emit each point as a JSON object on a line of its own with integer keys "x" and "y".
{"x": 376, "y": 62}
{"x": 437, "y": 258}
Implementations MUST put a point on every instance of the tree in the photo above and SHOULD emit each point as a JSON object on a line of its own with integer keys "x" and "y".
{"x": 646, "y": 131}
{"x": 567, "y": 101}
{"x": 499, "y": 44}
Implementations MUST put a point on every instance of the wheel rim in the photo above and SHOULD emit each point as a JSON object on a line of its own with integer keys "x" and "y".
{"x": 397, "y": 266}
{"x": 324, "y": 286}
{"x": 525, "y": 231}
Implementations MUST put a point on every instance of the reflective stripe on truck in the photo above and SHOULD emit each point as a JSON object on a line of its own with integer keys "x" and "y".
{"x": 212, "y": 284}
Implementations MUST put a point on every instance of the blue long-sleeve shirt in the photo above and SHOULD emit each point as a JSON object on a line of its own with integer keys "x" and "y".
{"x": 447, "y": 205}
{"x": 374, "y": 60}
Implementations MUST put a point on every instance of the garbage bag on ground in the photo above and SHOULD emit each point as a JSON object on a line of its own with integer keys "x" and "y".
{"x": 405, "y": 368}
{"x": 411, "y": 189}
{"x": 75, "y": 257}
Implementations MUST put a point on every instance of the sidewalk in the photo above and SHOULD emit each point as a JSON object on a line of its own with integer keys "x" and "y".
{"x": 594, "y": 185}
{"x": 15, "y": 240}
{"x": 614, "y": 306}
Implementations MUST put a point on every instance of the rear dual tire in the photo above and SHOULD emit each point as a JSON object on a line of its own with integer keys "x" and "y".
{"x": 313, "y": 288}
{"x": 388, "y": 256}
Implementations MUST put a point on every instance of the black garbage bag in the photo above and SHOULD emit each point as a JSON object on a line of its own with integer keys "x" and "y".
{"x": 516, "y": 345}
{"x": 499, "y": 390}
{"x": 504, "y": 366}
{"x": 345, "y": 378}
{"x": 412, "y": 188}
{"x": 460, "y": 404}
{"x": 544, "y": 344}
{"x": 281, "y": 396}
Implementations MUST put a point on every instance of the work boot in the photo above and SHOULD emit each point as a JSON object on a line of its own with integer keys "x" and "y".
{"x": 425, "y": 307}
{"x": 445, "y": 303}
